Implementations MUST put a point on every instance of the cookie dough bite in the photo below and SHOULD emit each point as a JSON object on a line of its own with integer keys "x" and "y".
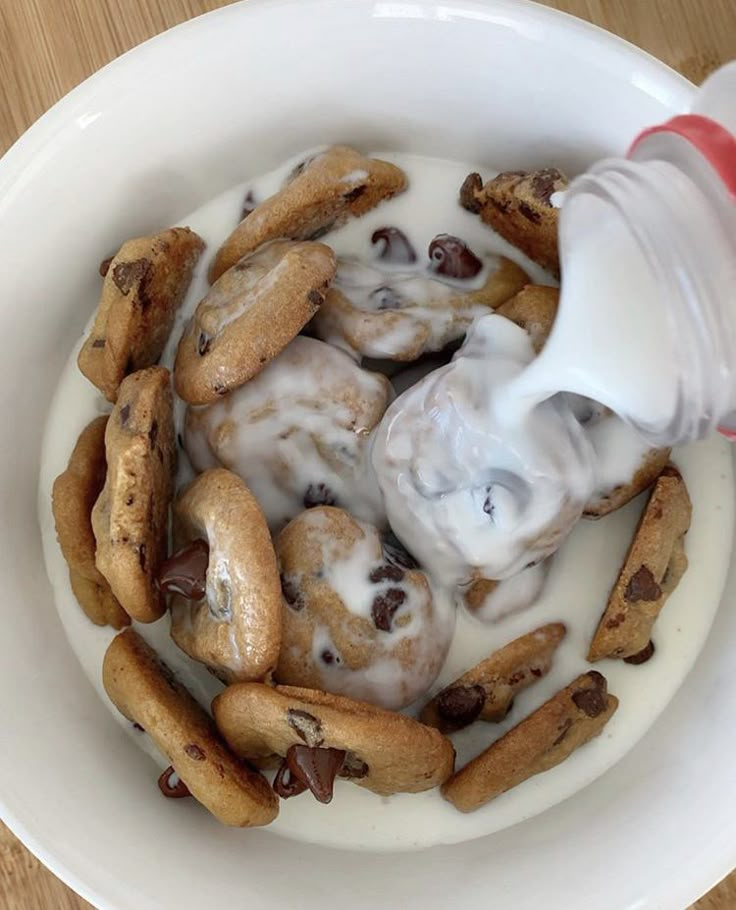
{"x": 298, "y": 433}
{"x": 226, "y": 604}
{"x": 534, "y": 309}
{"x": 131, "y": 516}
{"x": 490, "y": 601}
{"x": 518, "y": 205}
{"x": 355, "y": 621}
{"x": 74, "y": 494}
{"x": 144, "y": 286}
{"x": 303, "y": 729}
{"x": 653, "y": 567}
{"x": 379, "y": 311}
{"x": 249, "y": 316}
{"x": 322, "y": 193}
{"x": 145, "y": 691}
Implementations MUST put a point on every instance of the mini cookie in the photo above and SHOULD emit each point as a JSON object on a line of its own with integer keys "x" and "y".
{"x": 399, "y": 315}
{"x": 144, "y": 286}
{"x": 543, "y": 740}
{"x": 653, "y": 567}
{"x": 490, "y": 601}
{"x": 534, "y": 309}
{"x": 321, "y": 194}
{"x": 226, "y": 608}
{"x": 297, "y": 433}
{"x": 518, "y": 206}
{"x": 358, "y": 617}
{"x": 651, "y": 465}
{"x": 130, "y": 517}
{"x": 74, "y": 494}
{"x": 382, "y": 751}
{"x": 487, "y": 690}
{"x": 249, "y": 316}
{"x": 145, "y": 691}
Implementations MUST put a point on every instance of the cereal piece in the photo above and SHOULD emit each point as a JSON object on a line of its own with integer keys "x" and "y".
{"x": 249, "y": 316}
{"x": 144, "y": 286}
{"x": 130, "y": 517}
{"x": 534, "y": 309}
{"x": 518, "y": 206}
{"x": 650, "y": 468}
{"x": 145, "y": 691}
{"x": 234, "y": 625}
{"x": 487, "y": 690}
{"x": 399, "y": 316}
{"x": 653, "y": 567}
{"x": 490, "y": 601}
{"x": 74, "y": 494}
{"x": 384, "y": 752}
{"x": 355, "y": 622}
{"x": 541, "y": 741}
{"x": 322, "y": 193}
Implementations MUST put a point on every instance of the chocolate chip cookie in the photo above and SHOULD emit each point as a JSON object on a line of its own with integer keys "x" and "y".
{"x": 534, "y": 309}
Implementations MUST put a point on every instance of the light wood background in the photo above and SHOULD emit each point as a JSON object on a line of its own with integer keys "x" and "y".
{"x": 48, "y": 46}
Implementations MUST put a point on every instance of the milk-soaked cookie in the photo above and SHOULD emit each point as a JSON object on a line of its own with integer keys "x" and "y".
{"x": 130, "y": 518}
{"x": 534, "y": 308}
{"x": 144, "y": 286}
{"x": 322, "y": 193}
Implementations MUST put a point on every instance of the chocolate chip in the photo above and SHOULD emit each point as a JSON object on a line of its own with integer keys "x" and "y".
{"x": 317, "y": 768}
{"x": 543, "y": 184}
{"x": 285, "y": 784}
{"x": 292, "y": 594}
{"x": 353, "y": 768}
{"x": 138, "y": 727}
{"x": 453, "y": 258}
{"x": 593, "y": 701}
{"x": 318, "y": 494}
{"x": 642, "y": 586}
{"x": 203, "y": 344}
{"x": 185, "y": 572}
{"x": 488, "y": 503}
{"x": 316, "y": 298}
{"x": 529, "y": 213}
{"x": 180, "y": 440}
{"x": 126, "y": 275}
{"x": 98, "y": 343}
{"x": 395, "y": 246}
{"x": 306, "y": 726}
{"x": 124, "y": 414}
{"x": 564, "y": 730}
{"x": 615, "y": 621}
{"x": 460, "y": 705}
{"x": 327, "y": 657}
{"x": 105, "y": 266}
{"x": 385, "y": 606}
{"x": 194, "y": 752}
{"x": 471, "y": 185}
{"x": 219, "y": 389}
{"x": 249, "y": 205}
{"x": 386, "y": 573}
{"x": 643, "y": 656}
{"x": 385, "y": 298}
{"x": 396, "y": 553}
{"x": 355, "y": 193}
{"x": 172, "y": 786}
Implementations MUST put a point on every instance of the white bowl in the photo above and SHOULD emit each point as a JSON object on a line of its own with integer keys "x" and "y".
{"x": 150, "y": 138}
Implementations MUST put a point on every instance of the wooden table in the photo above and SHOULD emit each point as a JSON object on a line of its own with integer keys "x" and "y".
{"x": 48, "y": 46}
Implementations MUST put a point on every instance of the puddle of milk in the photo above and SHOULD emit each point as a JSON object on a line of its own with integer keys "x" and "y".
{"x": 581, "y": 574}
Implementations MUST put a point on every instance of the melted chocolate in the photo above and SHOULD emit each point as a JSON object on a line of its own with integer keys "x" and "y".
{"x": 185, "y": 572}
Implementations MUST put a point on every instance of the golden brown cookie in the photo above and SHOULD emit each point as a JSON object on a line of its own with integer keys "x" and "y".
{"x": 653, "y": 567}
{"x": 650, "y": 467}
{"x": 358, "y": 616}
{"x": 487, "y": 690}
{"x": 326, "y": 190}
{"x": 402, "y": 315}
{"x": 74, "y": 494}
{"x": 226, "y": 609}
{"x": 517, "y": 205}
{"x": 534, "y": 309}
{"x": 384, "y": 752}
{"x": 249, "y": 316}
{"x": 130, "y": 517}
{"x": 145, "y": 691}
{"x": 543, "y": 740}
{"x": 144, "y": 286}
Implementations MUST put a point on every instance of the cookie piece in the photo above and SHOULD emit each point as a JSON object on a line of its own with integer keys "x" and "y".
{"x": 650, "y": 467}
{"x": 487, "y": 690}
{"x": 534, "y": 309}
{"x": 384, "y": 752}
{"x": 130, "y": 517}
{"x": 355, "y": 621}
{"x": 541, "y": 741}
{"x": 517, "y": 205}
{"x": 321, "y": 194}
{"x": 73, "y": 496}
{"x": 249, "y": 316}
{"x": 144, "y": 286}
{"x": 145, "y": 691}
{"x": 234, "y": 625}
{"x": 653, "y": 567}
{"x": 297, "y": 433}
{"x": 490, "y": 601}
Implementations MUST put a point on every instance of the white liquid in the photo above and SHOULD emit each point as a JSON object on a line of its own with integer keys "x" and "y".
{"x": 579, "y": 580}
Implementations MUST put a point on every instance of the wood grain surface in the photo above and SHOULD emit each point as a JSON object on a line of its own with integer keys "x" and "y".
{"x": 49, "y": 46}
